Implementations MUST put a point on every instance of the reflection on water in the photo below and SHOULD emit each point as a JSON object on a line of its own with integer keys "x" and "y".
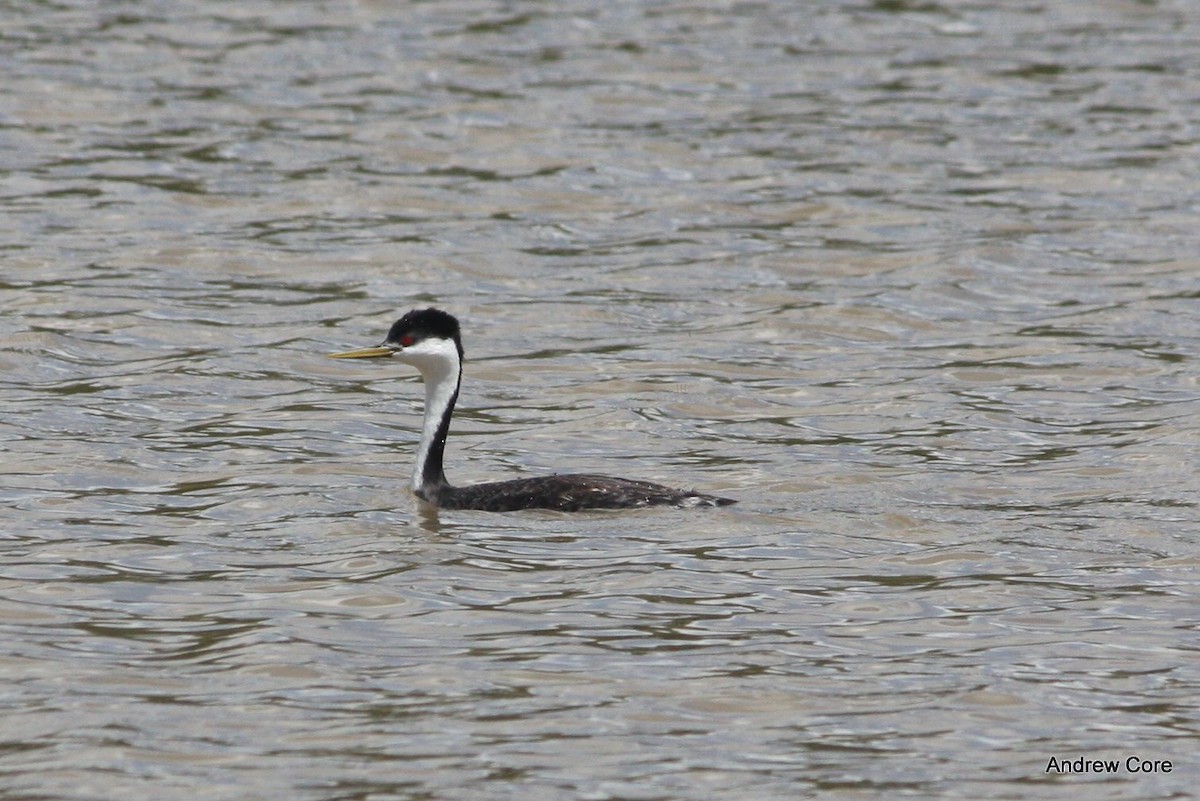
{"x": 915, "y": 283}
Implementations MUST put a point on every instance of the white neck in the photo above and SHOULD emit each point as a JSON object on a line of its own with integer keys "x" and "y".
{"x": 441, "y": 371}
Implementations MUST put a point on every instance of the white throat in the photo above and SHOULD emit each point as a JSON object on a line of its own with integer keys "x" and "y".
{"x": 441, "y": 370}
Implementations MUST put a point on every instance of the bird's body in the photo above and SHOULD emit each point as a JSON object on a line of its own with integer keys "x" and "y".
{"x": 429, "y": 339}
{"x": 569, "y": 492}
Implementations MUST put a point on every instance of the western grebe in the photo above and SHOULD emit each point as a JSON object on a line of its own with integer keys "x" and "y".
{"x": 429, "y": 340}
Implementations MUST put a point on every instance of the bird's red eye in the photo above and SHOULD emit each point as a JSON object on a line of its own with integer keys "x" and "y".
{"x": 406, "y": 340}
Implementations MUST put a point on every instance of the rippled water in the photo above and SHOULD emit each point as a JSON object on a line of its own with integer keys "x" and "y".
{"x": 916, "y": 282}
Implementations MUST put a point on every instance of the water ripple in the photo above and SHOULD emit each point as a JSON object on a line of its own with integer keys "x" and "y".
{"x": 913, "y": 282}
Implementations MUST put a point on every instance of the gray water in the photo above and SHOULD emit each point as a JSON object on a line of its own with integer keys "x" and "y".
{"x": 915, "y": 282}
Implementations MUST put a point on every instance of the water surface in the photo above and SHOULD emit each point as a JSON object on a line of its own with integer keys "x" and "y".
{"x": 916, "y": 283}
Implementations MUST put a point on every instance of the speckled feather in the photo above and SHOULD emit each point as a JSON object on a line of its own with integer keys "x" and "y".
{"x": 566, "y": 493}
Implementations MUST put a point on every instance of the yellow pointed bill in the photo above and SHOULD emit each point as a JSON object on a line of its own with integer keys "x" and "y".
{"x": 362, "y": 353}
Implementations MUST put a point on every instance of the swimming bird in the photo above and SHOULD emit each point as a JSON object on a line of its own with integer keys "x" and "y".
{"x": 430, "y": 340}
